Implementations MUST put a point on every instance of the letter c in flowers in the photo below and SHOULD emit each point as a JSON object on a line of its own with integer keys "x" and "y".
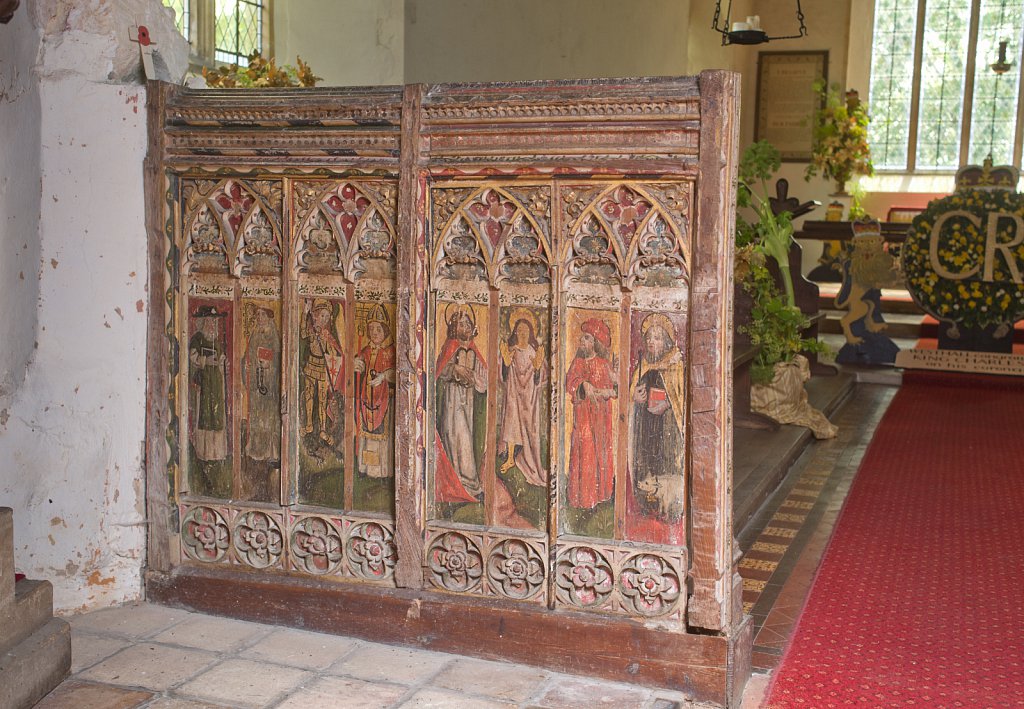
{"x": 933, "y": 245}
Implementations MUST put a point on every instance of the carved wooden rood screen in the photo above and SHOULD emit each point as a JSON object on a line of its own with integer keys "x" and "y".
{"x": 450, "y": 366}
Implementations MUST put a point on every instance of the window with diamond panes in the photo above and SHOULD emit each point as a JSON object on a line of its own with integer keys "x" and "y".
{"x": 935, "y": 101}
{"x": 181, "y": 15}
{"x": 239, "y": 30}
{"x": 225, "y": 31}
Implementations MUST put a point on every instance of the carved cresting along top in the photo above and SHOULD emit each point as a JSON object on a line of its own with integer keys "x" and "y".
{"x": 645, "y": 119}
{"x": 283, "y": 126}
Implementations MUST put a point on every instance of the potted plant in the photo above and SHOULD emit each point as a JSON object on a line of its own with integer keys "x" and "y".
{"x": 775, "y": 325}
{"x": 840, "y": 150}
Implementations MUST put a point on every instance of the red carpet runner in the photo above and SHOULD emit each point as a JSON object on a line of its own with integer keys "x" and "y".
{"x": 918, "y": 600}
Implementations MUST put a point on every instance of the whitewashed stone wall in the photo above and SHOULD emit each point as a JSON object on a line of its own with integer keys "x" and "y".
{"x": 72, "y": 347}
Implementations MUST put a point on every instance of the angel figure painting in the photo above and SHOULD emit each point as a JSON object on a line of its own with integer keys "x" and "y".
{"x": 523, "y": 415}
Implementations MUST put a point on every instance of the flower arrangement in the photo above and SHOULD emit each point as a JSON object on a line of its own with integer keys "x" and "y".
{"x": 976, "y": 300}
{"x": 261, "y": 73}
{"x": 840, "y": 149}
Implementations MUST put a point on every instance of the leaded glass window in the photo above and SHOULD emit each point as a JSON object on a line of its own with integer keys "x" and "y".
{"x": 181, "y": 13}
{"x": 225, "y": 31}
{"x": 239, "y": 30}
{"x": 935, "y": 101}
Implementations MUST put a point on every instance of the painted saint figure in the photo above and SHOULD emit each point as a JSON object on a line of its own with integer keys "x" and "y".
{"x": 657, "y": 388}
{"x": 375, "y": 383}
{"x": 323, "y": 372}
{"x": 206, "y": 354}
{"x": 590, "y": 383}
{"x": 261, "y": 372}
{"x": 461, "y": 376}
{"x": 523, "y": 377}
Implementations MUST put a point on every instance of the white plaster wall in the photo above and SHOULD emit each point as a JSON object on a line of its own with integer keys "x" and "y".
{"x": 72, "y": 442}
{"x": 19, "y": 203}
{"x": 496, "y": 40}
{"x": 71, "y": 435}
{"x": 347, "y": 42}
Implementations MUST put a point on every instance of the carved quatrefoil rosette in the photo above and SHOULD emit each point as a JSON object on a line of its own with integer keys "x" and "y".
{"x": 204, "y": 534}
{"x": 258, "y": 540}
{"x": 316, "y": 546}
{"x": 455, "y": 562}
{"x": 583, "y": 576}
{"x": 515, "y": 569}
{"x": 371, "y": 551}
{"x": 649, "y": 585}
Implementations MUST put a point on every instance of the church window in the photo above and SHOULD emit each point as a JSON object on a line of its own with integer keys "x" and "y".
{"x": 223, "y": 31}
{"x": 935, "y": 100}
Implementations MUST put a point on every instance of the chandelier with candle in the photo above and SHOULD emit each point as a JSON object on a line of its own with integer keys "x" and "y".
{"x": 749, "y": 31}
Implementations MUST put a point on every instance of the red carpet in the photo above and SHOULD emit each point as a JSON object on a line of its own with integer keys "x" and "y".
{"x": 918, "y": 600}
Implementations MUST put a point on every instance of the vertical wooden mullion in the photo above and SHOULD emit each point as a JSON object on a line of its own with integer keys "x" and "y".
{"x": 556, "y": 316}
{"x": 235, "y": 363}
{"x": 715, "y": 603}
{"x": 969, "y": 68}
{"x": 491, "y": 423}
{"x": 915, "y": 91}
{"x": 348, "y": 393}
{"x": 160, "y": 492}
{"x": 411, "y": 339}
{"x": 287, "y": 389}
{"x": 622, "y": 430}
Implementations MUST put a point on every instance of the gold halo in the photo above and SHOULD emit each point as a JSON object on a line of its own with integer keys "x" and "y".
{"x": 518, "y": 314}
{"x": 660, "y": 320}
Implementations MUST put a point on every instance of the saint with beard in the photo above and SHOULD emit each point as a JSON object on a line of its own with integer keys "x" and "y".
{"x": 590, "y": 383}
{"x": 658, "y": 389}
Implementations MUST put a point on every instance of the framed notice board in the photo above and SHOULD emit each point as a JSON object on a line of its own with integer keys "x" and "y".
{"x": 786, "y": 100}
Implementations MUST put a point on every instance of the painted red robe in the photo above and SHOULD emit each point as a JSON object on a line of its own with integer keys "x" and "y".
{"x": 591, "y": 470}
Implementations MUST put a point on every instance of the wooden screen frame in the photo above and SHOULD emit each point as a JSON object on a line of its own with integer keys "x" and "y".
{"x": 675, "y": 129}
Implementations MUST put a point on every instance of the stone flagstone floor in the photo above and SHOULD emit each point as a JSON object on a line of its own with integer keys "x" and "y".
{"x": 145, "y": 655}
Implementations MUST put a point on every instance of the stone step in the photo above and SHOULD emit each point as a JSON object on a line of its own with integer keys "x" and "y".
{"x": 903, "y": 325}
{"x": 29, "y": 610}
{"x": 31, "y": 669}
{"x": 894, "y": 300}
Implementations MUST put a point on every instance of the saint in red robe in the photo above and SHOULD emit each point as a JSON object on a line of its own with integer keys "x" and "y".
{"x": 591, "y": 388}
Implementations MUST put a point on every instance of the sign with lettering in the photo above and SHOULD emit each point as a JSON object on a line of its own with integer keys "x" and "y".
{"x": 964, "y": 255}
{"x": 962, "y": 361}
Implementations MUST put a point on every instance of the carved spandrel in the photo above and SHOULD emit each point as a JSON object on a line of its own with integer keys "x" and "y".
{"x": 346, "y": 227}
{"x": 232, "y": 226}
{"x": 492, "y": 233}
{"x": 628, "y": 233}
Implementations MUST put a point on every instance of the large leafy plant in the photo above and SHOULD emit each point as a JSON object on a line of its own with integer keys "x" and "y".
{"x": 776, "y": 323}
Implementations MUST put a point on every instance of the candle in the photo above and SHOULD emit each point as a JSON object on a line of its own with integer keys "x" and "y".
{"x": 740, "y": 27}
{"x": 754, "y": 21}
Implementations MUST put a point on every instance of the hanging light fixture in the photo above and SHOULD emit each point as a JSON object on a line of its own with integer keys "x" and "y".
{"x": 749, "y": 31}
{"x": 1002, "y": 66}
